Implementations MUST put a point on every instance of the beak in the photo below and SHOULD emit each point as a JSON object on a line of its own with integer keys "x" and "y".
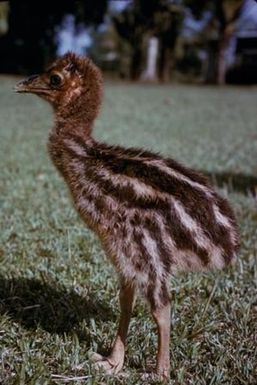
{"x": 33, "y": 84}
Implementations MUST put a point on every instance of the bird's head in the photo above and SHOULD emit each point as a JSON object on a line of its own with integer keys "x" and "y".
{"x": 72, "y": 84}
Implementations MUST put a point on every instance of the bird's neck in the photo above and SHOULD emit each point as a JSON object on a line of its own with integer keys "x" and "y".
{"x": 77, "y": 113}
{"x": 78, "y": 125}
{"x": 65, "y": 130}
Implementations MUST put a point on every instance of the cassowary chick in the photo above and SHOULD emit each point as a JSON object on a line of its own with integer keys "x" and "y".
{"x": 154, "y": 217}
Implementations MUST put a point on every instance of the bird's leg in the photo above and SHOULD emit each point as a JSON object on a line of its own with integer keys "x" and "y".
{"x": 114, "y": 362}
{"x": 161, "y": 316}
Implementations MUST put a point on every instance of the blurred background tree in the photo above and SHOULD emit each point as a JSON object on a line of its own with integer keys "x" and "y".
{"x": 221, "y": 26}
{"x": 147, "y": 23}
{"x": 30, "y": 40}
{"x": 4, "y": 9}
{"x": 149, "y": 40}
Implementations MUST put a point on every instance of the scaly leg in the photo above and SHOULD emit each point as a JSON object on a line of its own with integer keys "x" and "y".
{"x": 161, "y": 316}
{"x": 114, "y": 362}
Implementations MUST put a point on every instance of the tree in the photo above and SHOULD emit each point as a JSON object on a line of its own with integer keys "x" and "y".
{"x": 225, "y": 14}
{"x": 4, "y": 9}
{"x": 228, "y": 12}
{"x": 143, "y": 20}
{"x": 29, "y": 43}
{"x": 129, "y": 25}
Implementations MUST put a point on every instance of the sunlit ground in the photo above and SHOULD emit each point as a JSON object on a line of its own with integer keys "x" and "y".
{"x": 59, "y": 295}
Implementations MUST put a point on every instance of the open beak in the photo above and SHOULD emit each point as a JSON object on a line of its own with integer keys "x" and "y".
{"x": 33, "y": 84}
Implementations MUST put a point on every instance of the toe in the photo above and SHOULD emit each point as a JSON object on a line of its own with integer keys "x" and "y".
{"x": 164, "y": 373}
{"x": 96, "y": 357}
{"x": 107, "y": 364}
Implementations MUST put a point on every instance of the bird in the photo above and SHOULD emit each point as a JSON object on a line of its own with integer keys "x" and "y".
{"x": 153, "y": 215}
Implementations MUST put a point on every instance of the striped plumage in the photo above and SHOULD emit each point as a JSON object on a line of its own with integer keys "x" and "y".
{"x": 153, "y": 216}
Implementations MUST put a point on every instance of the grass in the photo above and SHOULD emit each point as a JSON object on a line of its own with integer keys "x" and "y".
{"x": 58, "y": 294}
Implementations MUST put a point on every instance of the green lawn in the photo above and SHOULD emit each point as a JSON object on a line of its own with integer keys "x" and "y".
{"x": 58, "y": 293}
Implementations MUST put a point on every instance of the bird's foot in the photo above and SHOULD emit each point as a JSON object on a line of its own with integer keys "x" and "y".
{"x": 163, "y": 371}
{"x": 110, "y": 365}
{"x": 154, "y": 376}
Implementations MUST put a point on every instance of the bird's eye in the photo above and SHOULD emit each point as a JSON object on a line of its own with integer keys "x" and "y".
{"x": 55, "y": 80}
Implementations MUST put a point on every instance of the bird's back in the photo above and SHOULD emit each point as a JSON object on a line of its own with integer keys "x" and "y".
{"x": 148, "y": 209}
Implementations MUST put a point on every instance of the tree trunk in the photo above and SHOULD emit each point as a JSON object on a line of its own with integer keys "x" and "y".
{"x": 150, "y": 72}
{"x": 221, "y": 65}
{"x": 222, "y": 59}
{"x": 226, "y": 36}
{"x": 165, "y": 63}
{"x": 136, "y": 63}
{"x": 211, "y": 66}
{"x": 228, "y": 13}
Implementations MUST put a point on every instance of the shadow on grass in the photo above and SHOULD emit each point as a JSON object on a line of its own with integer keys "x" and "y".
{"x": 234, "y": 181}
{"x": 53, "y": 308}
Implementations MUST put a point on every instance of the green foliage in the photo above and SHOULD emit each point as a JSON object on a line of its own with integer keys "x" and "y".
{"x": 58, "y": 294}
